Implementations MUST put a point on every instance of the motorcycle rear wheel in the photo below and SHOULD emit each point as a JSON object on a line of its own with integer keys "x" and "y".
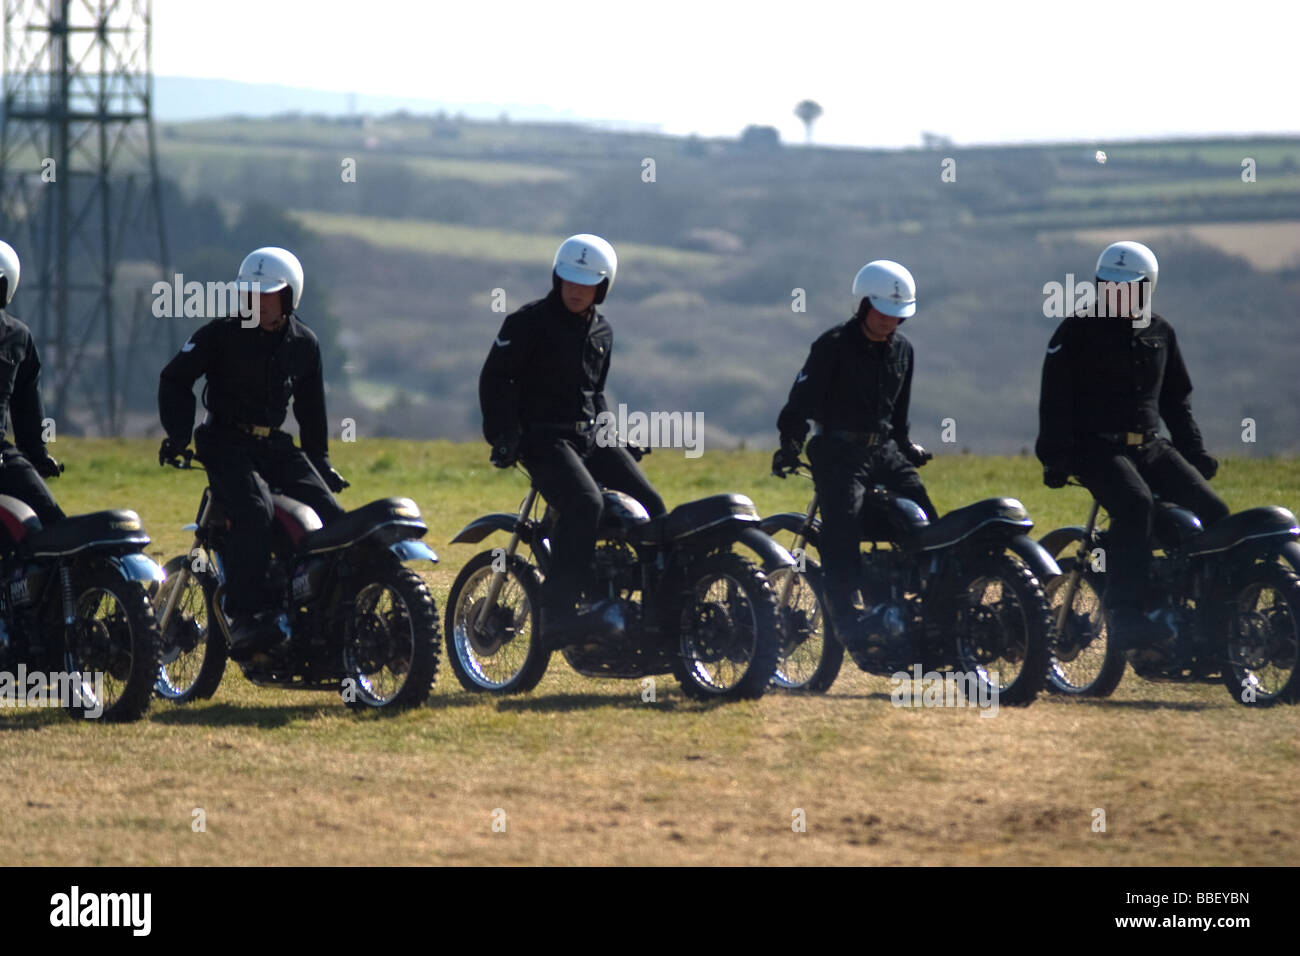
{"x": 729, "y": 638}
{"x": 113, "y": 636}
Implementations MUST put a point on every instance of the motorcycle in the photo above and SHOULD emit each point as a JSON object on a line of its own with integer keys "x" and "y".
{"x": 1227, "y": 597}
{"x": 353, "y": 618}
{"x": 74, "y": 609}
{"x": 683, "y": 601}
{"x": 961, "y": 593}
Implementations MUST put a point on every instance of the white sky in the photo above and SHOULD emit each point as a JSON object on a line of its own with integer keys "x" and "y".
{"x": 977, "y": 71}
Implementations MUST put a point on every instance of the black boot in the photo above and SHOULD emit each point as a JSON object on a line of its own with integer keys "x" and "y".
{"x": 253, "y": 633}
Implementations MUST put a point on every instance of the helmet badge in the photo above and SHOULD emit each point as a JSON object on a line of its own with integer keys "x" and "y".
{"x": 582, "y": 259}
{"x": 897, "y": 294}
{"x": 1122, "y": 253}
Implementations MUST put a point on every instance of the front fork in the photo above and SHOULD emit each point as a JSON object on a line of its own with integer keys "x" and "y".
{"x": 499, "y": 577}
{"x": 183, "y": 575}
{"x": 1076, "y": 572}
{"x": 797, "y": 548}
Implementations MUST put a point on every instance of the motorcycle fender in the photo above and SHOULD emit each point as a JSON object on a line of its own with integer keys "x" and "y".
{"x": 773, "y": 555}
{"x": 1291, "y": 555}
{"x": 1054, "y": 542}
{"x": 1038, "y": 558}
{"x": 137, "y": 567}
{"x": 412, "y": 549}
{"x": 792, "y": 521}
{"x": 480, "y": 528}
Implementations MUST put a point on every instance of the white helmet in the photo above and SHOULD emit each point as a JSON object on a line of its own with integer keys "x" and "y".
{"x": 586, "y": 260}
{"x": 10, "y": 268}
{"x": 1127, "y": 261}
{"x": 273, "y": 269}
{"x": 888, "y": 285}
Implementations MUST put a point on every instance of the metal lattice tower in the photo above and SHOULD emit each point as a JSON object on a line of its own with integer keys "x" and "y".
{"x": 80, "y": 196}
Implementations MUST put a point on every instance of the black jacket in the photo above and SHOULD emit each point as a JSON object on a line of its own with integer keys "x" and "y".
{"x": 852, "y": 383}
{"x": 20, "y": 386}
{"x": 252, "y": 375}
{"x": 1102, "y": 375}
{"x": 546, "y": 365}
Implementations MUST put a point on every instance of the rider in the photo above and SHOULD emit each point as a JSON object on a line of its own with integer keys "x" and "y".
{"x": 22, "y": 467}
{"x": 541, "y": 390}
{"x": 1099, "y": 415}
{"x": 857, "y": 386}
{"x": 253, "y": 370}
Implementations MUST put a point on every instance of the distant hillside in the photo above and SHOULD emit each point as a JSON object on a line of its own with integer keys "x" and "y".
{"x": 444, "y": 211}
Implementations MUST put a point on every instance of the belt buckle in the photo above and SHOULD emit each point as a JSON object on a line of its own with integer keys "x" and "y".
{"x": 1133, "y": 438}
{"x": 259, "y": 431}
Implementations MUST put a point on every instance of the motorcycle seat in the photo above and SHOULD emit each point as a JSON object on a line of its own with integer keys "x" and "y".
{"x": 17, "y": 520}
{"x": 1244, "y": 526}
{"x": 397, "y": 516}
{"x": 693, "y": 517}
{"x": 79, "y": 532}
{"x": 963, "y": 522}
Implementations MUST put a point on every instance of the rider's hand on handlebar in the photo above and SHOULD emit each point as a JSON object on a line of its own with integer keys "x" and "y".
{"x": 505, "y": 450}
{"x": 916, "y": 455}
{"x": 786, "y": 460}
{"x": 172, "y": 451}
{"x": 1055, "y": 476}
{"x": 47, "y": 467}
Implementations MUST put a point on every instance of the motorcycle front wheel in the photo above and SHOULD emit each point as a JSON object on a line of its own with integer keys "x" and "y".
{"x": 499, "y": 651}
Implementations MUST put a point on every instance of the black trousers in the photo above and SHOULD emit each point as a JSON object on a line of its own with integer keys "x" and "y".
{"x": 842, "y": 473}
{"x": 1123, "y": 479}
{"x": 569, "y": 470}
{"x": 18, "y": 478}
{"x": 242, "y": 471}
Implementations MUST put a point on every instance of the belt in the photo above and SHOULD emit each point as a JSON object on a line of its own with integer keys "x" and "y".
{"x": 1133, "y": 439}
{"x": 257, "y": 431}
{"x": 866, "y": 439}
{"x": 581, "y": 426}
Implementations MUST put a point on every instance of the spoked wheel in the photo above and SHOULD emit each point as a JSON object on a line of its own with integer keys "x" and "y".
{"x": 730, "y": 638}
{"x": 193, "y": 656}
{"x": 500, "y": 651}
{"x": 1003, "y": 631}
{"x": 810, "y": 654}
{"x": 113, "y": 646}
{"x": 1264, "y": 638}
{"x": 390, "y": 646}
{"x": 1081, "y": 661}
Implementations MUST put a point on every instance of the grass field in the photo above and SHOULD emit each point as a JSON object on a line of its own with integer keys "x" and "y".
{"x": 584, "y": 771}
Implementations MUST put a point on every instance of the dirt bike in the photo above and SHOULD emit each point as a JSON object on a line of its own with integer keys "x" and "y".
{"x": 686, "y": 603}
{"x": 1228, "y": 598}
{"x": 961, "y": 594}
{"x": 74, "y": 609}
{"x": 353, "y": 618}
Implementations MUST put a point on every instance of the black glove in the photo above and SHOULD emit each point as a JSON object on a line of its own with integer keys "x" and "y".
{"x": 916, "y": 455}
{"x": 171, "y": 451}
{"x": 333, "y": 480}
{"x": 1055, "y": 475}
{"x": 47, "y": 467}
{"x": 786, "y": 459}
{"x": 1206, "y": 464}
{"x": 505, "y": 450}
{"x": 636, "y": 451}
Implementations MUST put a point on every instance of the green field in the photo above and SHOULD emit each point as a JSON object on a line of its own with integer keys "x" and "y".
{"x": 584, "y": 771}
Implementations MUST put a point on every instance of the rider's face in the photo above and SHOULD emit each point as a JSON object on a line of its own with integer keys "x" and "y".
{"x": 577, "y": 298}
